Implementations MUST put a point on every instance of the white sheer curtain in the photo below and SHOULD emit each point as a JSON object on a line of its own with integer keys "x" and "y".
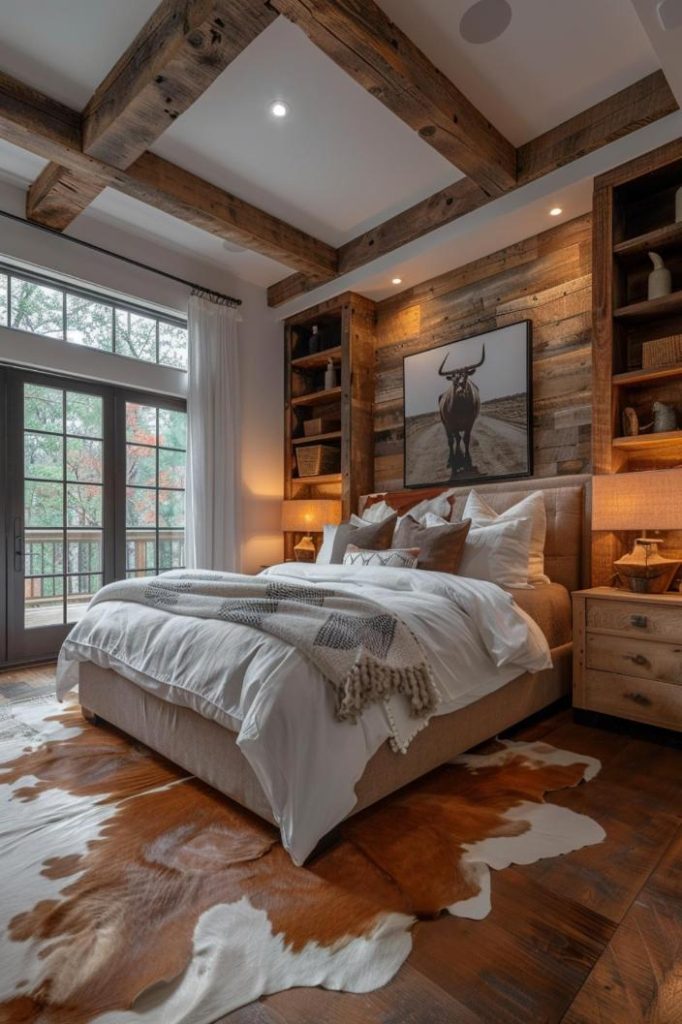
{"x": 213, "y": 417}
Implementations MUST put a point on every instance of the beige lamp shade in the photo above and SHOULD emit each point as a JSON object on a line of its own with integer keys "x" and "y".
{"x": 649, "y": 500}
{"x": 309, "y": 515}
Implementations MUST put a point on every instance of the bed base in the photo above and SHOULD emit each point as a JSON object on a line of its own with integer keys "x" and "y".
{"x": 210, "y": 752}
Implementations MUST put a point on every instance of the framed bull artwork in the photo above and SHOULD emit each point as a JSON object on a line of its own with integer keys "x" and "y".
{"x": 468, "y": 409}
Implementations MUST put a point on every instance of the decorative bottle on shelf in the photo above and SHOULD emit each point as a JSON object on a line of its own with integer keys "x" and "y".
{"x": 314, "y": 340}
{"x": 329, "y": 376}
{"x": 660, "y": 281}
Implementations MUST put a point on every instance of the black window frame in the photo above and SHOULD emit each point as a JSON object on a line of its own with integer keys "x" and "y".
{"x": 15, "y": 640}
{"x": 91, "y": 295}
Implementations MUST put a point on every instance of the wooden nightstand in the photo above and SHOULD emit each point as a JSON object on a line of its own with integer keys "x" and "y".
{"x": 627, "y": 655}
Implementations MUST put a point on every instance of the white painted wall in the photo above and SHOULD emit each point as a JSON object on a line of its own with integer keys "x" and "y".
{"x": 260, "y": 344}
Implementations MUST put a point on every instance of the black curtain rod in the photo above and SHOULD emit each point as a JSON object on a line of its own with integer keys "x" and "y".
{"x": 229, "y": 299}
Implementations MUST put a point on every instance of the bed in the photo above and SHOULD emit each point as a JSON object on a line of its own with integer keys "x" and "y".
{"x": 310, "y": 797}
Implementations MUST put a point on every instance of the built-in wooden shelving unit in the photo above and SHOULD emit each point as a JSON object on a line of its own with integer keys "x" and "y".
{"x": 345, "y": 334}
{"x": 634, "y": 214}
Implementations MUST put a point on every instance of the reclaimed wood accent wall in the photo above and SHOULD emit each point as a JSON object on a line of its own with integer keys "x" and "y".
{"x": 546, "y": 279}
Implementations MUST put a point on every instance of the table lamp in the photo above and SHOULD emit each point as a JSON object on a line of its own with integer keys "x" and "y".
{"x": 308, "y": 516}
{"x": 650, "y": 500}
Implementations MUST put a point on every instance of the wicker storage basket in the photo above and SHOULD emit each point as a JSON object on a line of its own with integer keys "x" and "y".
{"x": 662, "y": 352}
{"x": 317, "y": 460}
{"x": 320, "y": 425}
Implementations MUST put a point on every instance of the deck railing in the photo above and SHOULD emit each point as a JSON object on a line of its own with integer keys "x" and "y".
{"x": 46, "y": 572}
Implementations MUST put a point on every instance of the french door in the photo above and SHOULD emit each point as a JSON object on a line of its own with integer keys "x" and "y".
{"x": 93, "y": 485}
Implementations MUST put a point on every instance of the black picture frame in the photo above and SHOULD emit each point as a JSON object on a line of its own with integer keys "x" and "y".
{"x": 521, "y": 466}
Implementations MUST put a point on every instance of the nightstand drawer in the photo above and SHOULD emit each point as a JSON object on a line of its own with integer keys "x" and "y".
{"x": 640, "y": 699}
{"x": 643, "y": 659}
{"x": 633, "y": 618}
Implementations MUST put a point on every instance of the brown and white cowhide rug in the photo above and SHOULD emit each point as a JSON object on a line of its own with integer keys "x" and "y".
{"x": 133, "y": 893}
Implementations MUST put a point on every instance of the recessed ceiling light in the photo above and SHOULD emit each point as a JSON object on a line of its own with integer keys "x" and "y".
{"x": 555, "y": 211}
{"x": 279, "y": 109}
{"x": 396, "y": 280}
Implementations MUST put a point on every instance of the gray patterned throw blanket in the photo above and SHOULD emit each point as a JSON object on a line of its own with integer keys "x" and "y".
{"x": 367, "y": 653}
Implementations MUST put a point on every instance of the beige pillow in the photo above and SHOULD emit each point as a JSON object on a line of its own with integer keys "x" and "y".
{"x": 440, "y": 547}
{"x": 376, "y": 536}
{"x": 531, "y": 507}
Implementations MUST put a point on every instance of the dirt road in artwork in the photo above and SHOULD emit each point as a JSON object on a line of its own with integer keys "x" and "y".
{"x": 498, "y": 448}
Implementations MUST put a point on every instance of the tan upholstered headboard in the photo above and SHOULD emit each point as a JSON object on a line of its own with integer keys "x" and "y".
{"x": 567, "y": 500}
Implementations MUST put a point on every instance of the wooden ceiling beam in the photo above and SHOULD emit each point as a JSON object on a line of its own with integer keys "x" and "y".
{"x": 637, "y": 105}
{"x": 175, "y": 57}
{"x": 182, "y": 194}
{"x": 36, "y": 123}
{"x": 365, "y": 43}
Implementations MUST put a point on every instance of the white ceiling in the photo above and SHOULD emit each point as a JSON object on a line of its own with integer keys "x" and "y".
{"x": 66, "y": 47}
{"x": 18, "y": 166}
{"x": 147, "y": 222}
{"x": 667, "y": 44}
{"x": 341, "y": 162}
{"x": 557, "y": 57}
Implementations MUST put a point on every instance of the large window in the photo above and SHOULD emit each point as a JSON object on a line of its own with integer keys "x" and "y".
{"x": 42, "y": 306}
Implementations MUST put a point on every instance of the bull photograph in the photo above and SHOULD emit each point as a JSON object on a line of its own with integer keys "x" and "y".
{"x": 468, "y": 411}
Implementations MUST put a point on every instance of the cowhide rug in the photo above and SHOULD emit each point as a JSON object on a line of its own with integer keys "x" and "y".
{"x": 133, "y": 893}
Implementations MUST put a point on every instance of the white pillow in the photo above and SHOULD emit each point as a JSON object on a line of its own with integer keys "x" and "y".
{"x": 498, "y": 553}
{"x": 396, "y": 558}
{"x": 324, "y": 555}
{"x": 533, "y": 506}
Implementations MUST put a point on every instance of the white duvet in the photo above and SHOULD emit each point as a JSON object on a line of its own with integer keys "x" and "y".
{"x": 472, "y": 632}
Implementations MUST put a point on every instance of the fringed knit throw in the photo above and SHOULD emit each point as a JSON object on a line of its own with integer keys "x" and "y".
{"x": 367, "y": 653}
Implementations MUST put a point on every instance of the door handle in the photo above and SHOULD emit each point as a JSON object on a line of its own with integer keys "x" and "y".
{"x": 18, "y": 545}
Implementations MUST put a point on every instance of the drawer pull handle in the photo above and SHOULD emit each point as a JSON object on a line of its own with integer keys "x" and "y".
{"x": 640, "y": 621}
{"x": 638, "y": 698}
{"x": 639, "y": 659}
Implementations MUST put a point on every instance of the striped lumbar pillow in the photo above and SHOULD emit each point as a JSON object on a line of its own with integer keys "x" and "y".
{"x": 395, "y": 558}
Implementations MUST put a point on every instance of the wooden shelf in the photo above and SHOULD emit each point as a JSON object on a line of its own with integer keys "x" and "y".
{"x": 650, "y": 308}
{"x": 317, "y": 359}
{"x": 317, "y": 397}
{"x": 329, "y": 478}
{"x": 647, "y": 376}
{"x": 333, "y": 435}
{"x": 665, "y": 438}
{"x": 659, "y": 238}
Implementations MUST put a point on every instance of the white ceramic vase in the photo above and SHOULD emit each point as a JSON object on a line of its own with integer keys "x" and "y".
{"x": 330, "y": 376}
{"x": 660, "y": 281}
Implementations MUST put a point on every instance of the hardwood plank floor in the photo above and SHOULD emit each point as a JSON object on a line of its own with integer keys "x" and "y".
{"x": 594, "y": 937}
